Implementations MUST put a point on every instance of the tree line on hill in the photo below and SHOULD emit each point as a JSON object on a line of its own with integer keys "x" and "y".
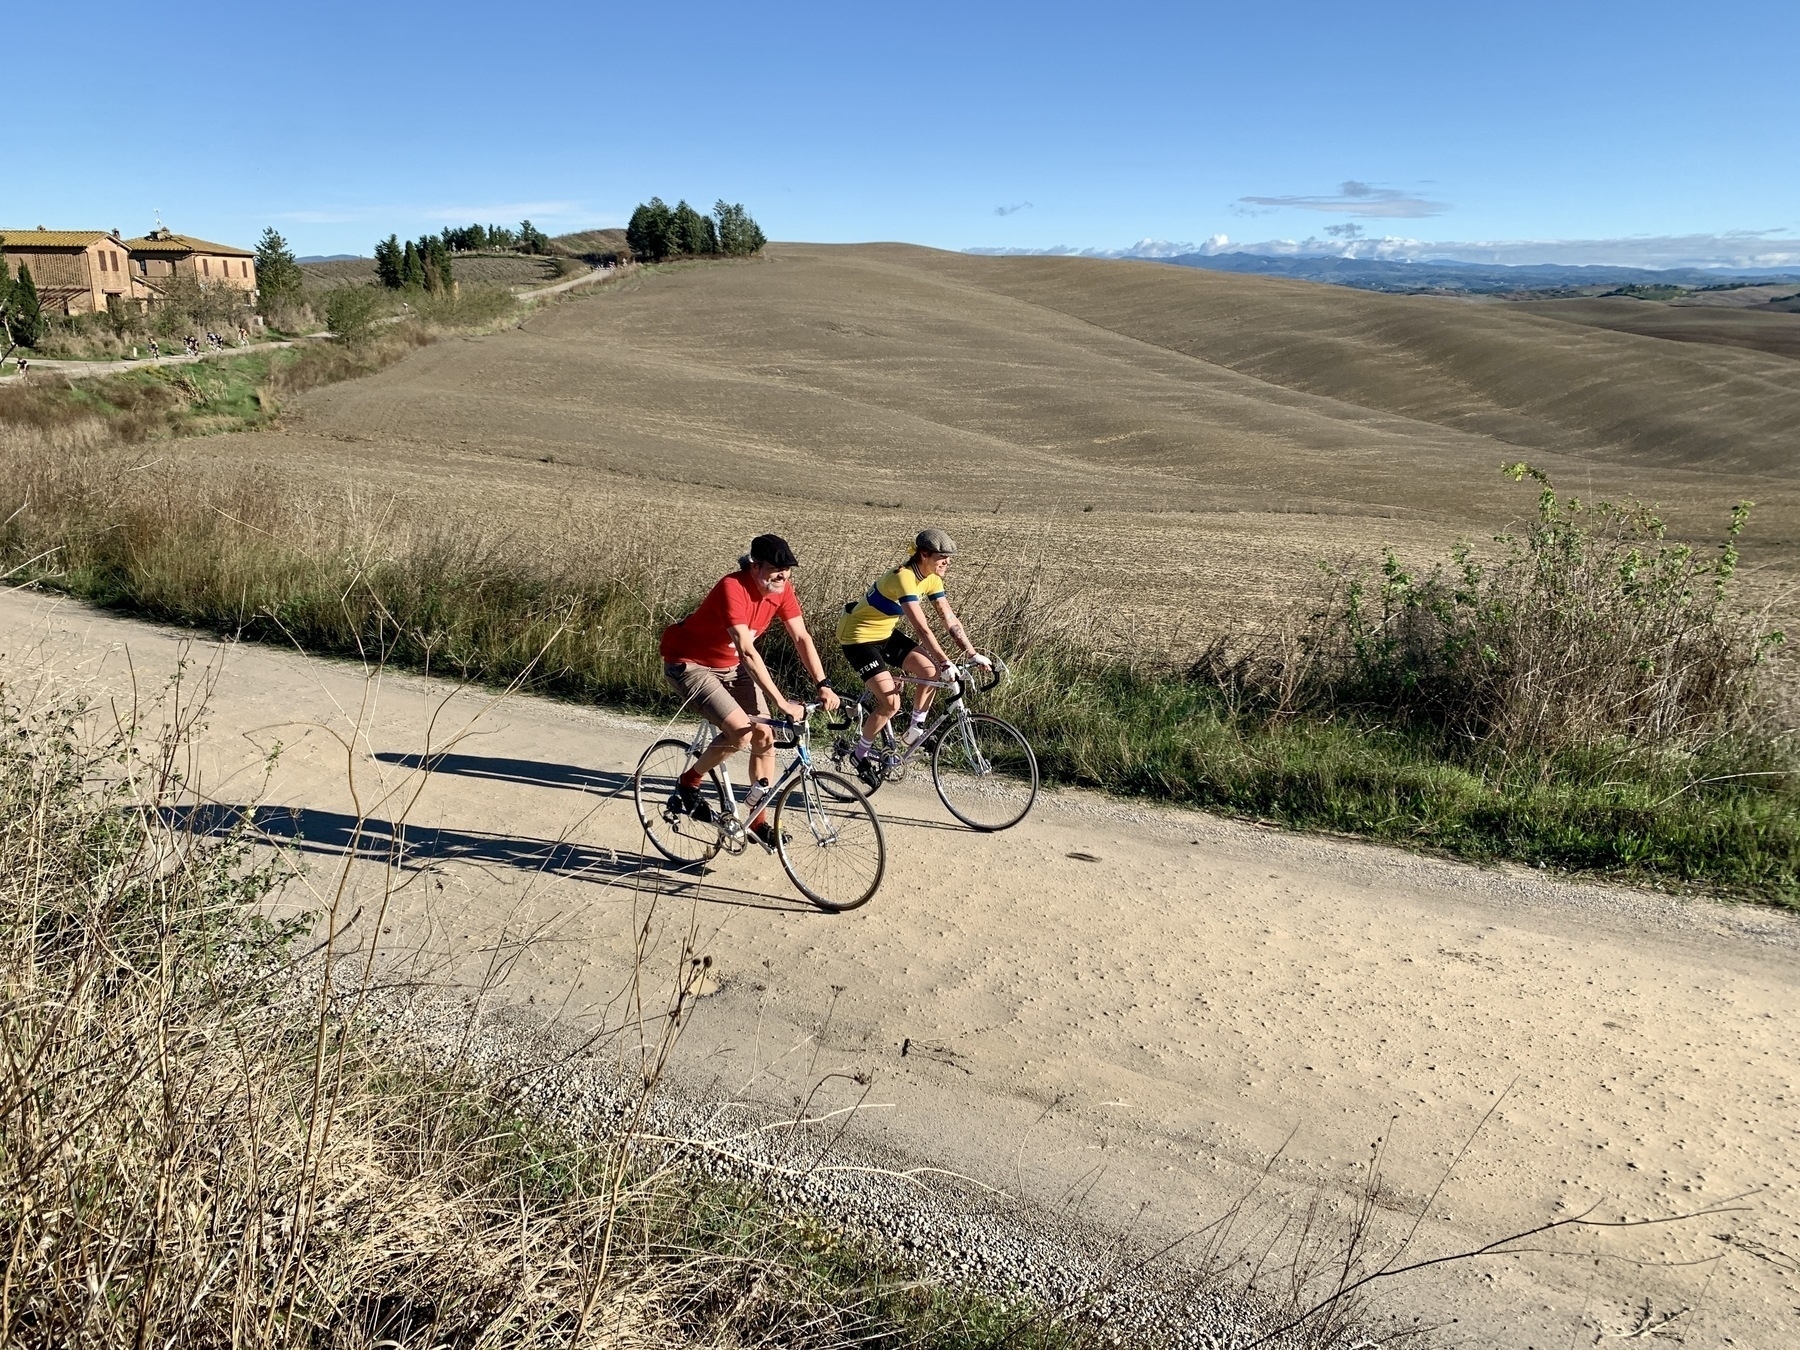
{"x": 420, "y": 265}
{"x": 659, "y": 231}
{"x": 425, "y": 263}
{"x": 528, "y": 238}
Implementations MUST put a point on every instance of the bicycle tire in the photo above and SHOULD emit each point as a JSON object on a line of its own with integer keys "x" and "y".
{"x": 992, "y": 788}
{"x": 681, "y": 839}
{"x": 833, "y": 848}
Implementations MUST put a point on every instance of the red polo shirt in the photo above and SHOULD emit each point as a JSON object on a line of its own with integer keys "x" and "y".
{"x": 704, "y": 637}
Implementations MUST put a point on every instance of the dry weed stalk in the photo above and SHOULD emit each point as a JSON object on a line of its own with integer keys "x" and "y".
{"x": 207, "y": 1137}
{"x": 1588, "y": 630}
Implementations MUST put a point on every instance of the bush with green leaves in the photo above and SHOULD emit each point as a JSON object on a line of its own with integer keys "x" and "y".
{"x": 1589, "y": 628}
{"x": 351, "y": 311}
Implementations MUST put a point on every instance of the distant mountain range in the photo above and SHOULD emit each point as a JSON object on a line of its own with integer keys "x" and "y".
{"x": 331, "y": 257}
{"x": 1373, "y": 274}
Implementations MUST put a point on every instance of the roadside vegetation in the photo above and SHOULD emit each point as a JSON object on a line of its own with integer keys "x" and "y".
{"x": 372, "y": 329}
{"x": 211, "y": 1137}
{"x": 1585, "y": 695}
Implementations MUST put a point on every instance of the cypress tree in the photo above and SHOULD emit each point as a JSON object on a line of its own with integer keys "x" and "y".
{"x": 739, "y": 235}
{"x": 412, "y": 267}
{"x": 390, "y": 263}
{"x": 6, "y": 306}
{"x": 692, "y": 237}
{"x": 278, "y": 276}
{"x": 27, "y": 323}
{"x": 434, "y": 264}
{"x": 651, "y": 233}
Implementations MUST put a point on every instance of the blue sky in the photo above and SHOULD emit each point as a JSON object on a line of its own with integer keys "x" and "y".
{"x": 1652, "y": 131}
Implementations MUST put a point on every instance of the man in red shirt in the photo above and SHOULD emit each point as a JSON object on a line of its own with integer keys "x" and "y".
{"x": 711, "y": 659}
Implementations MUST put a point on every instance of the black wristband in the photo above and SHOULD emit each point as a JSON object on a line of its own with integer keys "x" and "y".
{"x": 820, "y": 684}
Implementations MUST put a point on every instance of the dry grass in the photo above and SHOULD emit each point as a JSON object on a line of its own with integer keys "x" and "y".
{"x": 206, "y": 1139}
{"x": 845, "y": 396}
{"x": 502, "y": 270}
{"x": 1393, "y": 710}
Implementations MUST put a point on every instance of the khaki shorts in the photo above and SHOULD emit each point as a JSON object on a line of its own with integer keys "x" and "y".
{"x": 715, "y": 694}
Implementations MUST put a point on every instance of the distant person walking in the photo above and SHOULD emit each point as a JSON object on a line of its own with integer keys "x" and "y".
{"x": 710, "y": 658}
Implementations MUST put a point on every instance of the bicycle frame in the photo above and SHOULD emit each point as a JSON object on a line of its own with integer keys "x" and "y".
{"x": 733, "y": 825}
{"x": 955, "y": 708}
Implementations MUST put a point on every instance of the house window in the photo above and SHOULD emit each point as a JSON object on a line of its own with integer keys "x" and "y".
{"x": 115, "y": 258}
{"x": 205, "y": 267}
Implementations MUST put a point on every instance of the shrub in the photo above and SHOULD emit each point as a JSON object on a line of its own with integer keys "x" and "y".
{"x": 351, "y": 311}
{"x": 1590, "y": 628}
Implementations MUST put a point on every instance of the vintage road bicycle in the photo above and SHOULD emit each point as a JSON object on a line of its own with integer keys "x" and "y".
{"x": 983, "y": 768}
{"x": 826, "y": 834}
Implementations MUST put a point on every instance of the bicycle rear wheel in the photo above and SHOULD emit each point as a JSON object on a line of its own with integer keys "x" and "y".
{"x": 676, "y": 835}
{"x": 984, "y": 772}
{"x": 831, "y": 844}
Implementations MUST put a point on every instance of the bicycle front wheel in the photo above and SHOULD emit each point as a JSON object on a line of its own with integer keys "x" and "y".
{"x": 830, "y": 841}
{"x": 984, "y": 772}
{"x": 676, "y": 834}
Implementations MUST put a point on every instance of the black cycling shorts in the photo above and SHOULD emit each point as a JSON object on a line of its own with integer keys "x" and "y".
{"x": 866, "y": 658}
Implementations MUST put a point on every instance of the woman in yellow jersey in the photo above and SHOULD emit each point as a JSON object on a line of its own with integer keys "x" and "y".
{"x": 869, "y": 635}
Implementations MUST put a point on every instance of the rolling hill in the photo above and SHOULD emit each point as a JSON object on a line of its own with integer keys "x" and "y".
{"x": 1193, "y": 440}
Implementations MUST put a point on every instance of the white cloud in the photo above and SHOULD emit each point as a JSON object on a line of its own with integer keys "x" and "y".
{"x": 1144, "y": 248}
{"x": 1354, "y": 198}
{"x": 1737, "y": 249}
{"x": 1745, "y": 250}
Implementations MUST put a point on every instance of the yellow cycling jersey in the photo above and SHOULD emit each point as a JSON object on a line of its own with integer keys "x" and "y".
{"x": 875, "y": 616}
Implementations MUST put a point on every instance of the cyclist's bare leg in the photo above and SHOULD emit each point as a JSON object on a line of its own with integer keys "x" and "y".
{"x": 736, "y": 730}
{"x": 922, "y": 667}
{"x": 762, "y": 753}
{"x": 885, "y": 691}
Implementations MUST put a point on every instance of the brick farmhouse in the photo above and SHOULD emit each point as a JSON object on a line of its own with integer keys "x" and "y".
{"x": 90, "y": 271}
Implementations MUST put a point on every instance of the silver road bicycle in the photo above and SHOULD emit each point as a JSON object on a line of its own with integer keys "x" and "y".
{"x": 825, "y": 833}
{"x": 982, "y": 767}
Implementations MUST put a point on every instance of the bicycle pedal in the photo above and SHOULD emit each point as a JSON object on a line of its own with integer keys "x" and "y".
{"x": 733, "y": 837}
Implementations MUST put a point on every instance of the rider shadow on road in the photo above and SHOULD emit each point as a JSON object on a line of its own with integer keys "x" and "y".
{"x": 539, "y": 773}
{"x": 423, "y": 848}
{"x": 531, "y": 772}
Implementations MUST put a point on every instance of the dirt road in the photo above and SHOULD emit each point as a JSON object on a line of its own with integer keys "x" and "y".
{"x": 1114, "y": 1008}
